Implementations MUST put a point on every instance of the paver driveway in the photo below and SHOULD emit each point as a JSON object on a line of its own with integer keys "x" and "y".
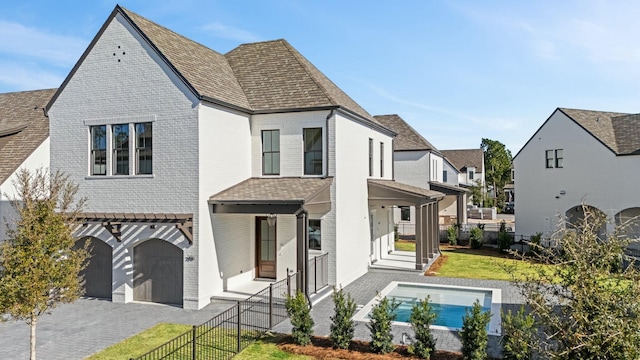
{"x": 75, "y": 331}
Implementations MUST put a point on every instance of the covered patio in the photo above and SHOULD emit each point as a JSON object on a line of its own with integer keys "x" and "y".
{"x": 453, "y": 193}
{"x": 389, "y": 193}
{"x": 267, "y": 198}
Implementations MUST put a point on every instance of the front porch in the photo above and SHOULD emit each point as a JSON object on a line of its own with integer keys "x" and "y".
{"x": 400, "y": 260}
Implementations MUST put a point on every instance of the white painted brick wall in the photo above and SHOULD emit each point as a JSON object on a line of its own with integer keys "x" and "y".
{"x": 412, "y": 168}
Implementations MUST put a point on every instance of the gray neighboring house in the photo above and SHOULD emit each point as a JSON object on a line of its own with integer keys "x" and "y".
{"x": 24, "y": 141}
{"x": 470, "y": 166}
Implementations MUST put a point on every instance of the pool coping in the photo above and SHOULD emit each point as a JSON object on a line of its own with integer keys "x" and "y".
{"x": 495, "y": 323}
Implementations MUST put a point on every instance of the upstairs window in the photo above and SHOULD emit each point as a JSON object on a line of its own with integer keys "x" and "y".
{"x": 444, "y": 176}
{"x": 270, "y": 152}
{"x": 98, "y": 150}
{"x": 559, "y": 158}
{"x": 549, "y": 157}
{"x": 471, "y": 172}
{"x": 381, "y": 159}
{"x": 370, "y": 157}
{"x": 144, "y": 152}
{"x": 312, "y": 138}
{"x": 120, "y": 149}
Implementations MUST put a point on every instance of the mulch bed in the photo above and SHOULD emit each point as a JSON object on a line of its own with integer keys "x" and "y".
{"x": 321, "y": 348}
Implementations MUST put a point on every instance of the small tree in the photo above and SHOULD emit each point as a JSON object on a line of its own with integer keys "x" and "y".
{"x": 476, "y": 237}
{"x": 382, "y": 315}
{"x": 342, "y": 324}
{"x": 504, "y": 239}
{"x": 519, "y": 335}
{"x": 584, "y": 307}
{"x": 39, "y": 266}
{"x": 475, "y": 338}
{"x": 422, "y": 316}
{"x": 300, "y": 316}
{"x": 452, "y": 234}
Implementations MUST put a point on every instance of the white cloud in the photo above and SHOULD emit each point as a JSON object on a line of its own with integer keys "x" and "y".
{"x": 19, "y": 40}
{"x": 221, "y": 30}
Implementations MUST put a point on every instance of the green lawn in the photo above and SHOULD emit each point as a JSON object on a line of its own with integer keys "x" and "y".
{"x": 484, "y": 265}
{"x": 266, "y": 348}
{"x": 143, "y": 342}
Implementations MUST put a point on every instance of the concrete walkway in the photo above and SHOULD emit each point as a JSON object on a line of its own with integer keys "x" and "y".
{"x": 366, "y": 287}
{"x": 75, "y": 331}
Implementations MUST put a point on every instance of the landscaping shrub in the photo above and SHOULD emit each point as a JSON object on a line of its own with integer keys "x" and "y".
{"x": 382, "y": 315}
{"x": 300, "y": 316}
{"x": 396, "y": 233}
{"x": 476, "y": 237}
{"x": 452, "y": 235}
{"x": 342, "y": 326}
{"x": 504, "y": 239}
{"x": 422, "y": 316}
{"x": 475, "y": 338}
{"x": 534, "y": 244}
{"x": 518, "y": 335}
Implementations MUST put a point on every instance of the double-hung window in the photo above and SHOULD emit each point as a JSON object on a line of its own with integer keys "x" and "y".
{"x": 381, "y": 159}
{"x": 270, "y": 152}
{"x": 98, "y": 150}
{"x": 315, "y": 235}
{"x": 144, "y": 150}
{"x": 554, "y": 158}
{"x": 312, "y": 138}
{"x": 120, "y": 139}
{"x": 370, "y": 157}
{"x": 549, "y": 157}
{"x": 559, "y": 158}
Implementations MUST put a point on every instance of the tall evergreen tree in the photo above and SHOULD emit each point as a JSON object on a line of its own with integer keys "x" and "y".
{"x": 497, "y": 167}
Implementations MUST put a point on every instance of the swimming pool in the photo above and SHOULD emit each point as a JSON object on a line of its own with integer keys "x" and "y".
{"x": 448, "y": 301}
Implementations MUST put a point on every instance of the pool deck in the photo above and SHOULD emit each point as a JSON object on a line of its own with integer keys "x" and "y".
{"x": 365, "y": 288}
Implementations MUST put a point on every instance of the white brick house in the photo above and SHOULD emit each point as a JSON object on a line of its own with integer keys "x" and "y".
{"x": 579, "y": 156}
{"x": 24, "y": 142}
{"x": 205, "y": 171}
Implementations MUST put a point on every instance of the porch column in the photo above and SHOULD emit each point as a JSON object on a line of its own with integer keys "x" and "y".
{"x": 435, "y": 231}
{"x": 427, "y": 220}
{"x": 302, "y": 251}
{"x": 461, "y": 211}
{"x": 419, "y": 237}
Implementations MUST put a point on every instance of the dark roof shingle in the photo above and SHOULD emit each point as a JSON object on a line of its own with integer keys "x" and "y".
{"x": 273, "y": 189}
{"x": 23, "y": 127}
{"x": 408, "y": 138}
{"x": 464, "y": 158}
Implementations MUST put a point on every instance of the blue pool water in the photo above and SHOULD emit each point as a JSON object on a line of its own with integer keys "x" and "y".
{"x": 448, "y": 303}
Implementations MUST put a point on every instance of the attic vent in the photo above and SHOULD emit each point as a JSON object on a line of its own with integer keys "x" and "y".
{"x": 117, "y": 54}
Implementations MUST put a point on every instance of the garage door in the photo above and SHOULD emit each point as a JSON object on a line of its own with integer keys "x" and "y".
{"x": 157, "y": 272}
{"x": 97, "y": 276}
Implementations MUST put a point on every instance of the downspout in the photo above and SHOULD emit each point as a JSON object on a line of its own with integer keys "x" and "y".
{"x": 326, "y": 165}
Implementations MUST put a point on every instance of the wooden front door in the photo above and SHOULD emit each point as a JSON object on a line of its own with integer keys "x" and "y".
{"x": 266, "y": 248}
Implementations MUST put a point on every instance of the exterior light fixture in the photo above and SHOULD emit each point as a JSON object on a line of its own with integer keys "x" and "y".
{"x": 271, "y": 219}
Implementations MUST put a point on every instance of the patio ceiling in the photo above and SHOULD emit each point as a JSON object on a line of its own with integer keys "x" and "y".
{"x": 391, "y": 192}
{"x": 275, "y": 195}
{"x": 448, "y": 189}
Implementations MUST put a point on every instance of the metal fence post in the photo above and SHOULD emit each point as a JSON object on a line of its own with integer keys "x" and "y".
{"x": 315, "y": 274}
{"x": 270, "y": 306}
{"x": 193, "y": 345}
{"x": 239, "y": 328}
{"x": 288, "y": 283}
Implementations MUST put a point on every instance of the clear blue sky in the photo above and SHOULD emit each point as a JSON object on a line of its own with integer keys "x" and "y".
{"x": 457, "y": 71}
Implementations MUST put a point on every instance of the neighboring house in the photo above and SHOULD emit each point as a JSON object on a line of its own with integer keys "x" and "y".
{"x": 470, "y": 166}
{"x": 576, "y": 157}
{"x": 205, "y": 171}
{"x": 417, "y": 162}
{"x": 24, "y": 142}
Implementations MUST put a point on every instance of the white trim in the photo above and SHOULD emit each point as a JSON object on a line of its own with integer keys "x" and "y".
{"x": 120, "y": 120}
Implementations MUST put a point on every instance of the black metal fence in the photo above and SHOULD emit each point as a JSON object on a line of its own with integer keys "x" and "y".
{"x": 318, "y": 272}
{"x": 233, "y": 330}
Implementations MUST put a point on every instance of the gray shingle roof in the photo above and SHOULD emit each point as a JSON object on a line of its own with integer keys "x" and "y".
{"x": 273, "y": 189}
{"x": 23, "y": 127}
{"x": 392, "y": 184}
{"x": 619, "y": 132}
{"x": 463, "y": 158}
{"x": 408, "y": 138}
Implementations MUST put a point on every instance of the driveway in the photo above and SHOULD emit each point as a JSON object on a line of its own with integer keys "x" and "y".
{"x": 75, "y": 331}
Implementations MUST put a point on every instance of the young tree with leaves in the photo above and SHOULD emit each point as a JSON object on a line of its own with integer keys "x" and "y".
{"x": 497, "y": 167}
{"x": 586, "y": 304}
{"x": 38, "y": 264}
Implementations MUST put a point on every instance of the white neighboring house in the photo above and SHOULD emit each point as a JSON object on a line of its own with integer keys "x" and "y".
{"x": 24, "y": 142}
{"x": 206, "y": 171}
{"x": 575, "y": 157}
{"x": 417, "y": 162}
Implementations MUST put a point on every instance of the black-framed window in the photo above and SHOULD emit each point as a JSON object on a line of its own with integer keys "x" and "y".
{"x": 120, "y": 149}
{"x": 370, "y": 157}
{"x": 315, "y": 235}
{"x": 444, "y": 176}
{"x": 144, "y": 148}
{"x": 549, "y": 159}
{"x": 559, "y": 158}
{"x": 471, "y": 174}
{"x": 312, "y": 138}
{"x": 381, "y": 159}
{"x": 270, "y": 152}
{"x": 405, "y": 213}
{"x": 98, "y": 149}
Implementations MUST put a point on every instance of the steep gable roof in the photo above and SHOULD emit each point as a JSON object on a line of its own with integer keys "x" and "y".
{"x": 408, "y": 139}
{"x": 23, "y": 127}
{"x": 464, "y": 158}
{"x": 619, "y": 132}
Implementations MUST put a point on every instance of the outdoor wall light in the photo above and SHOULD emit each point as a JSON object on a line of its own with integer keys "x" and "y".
{"x": 271, "y": 219}
{"x": 562, "y": 192}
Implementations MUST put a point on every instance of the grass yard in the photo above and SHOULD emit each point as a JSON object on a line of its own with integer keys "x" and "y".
{"x": 143, "y": 342}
